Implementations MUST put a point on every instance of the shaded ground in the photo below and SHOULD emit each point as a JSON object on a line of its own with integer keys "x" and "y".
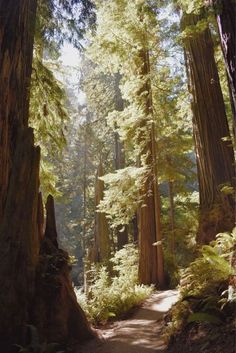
{"x": 205, "y": 338}
{"x": 138, "y": 334}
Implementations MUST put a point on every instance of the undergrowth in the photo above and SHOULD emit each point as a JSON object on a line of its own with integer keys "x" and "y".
{"x": 113, "y": 295}
{"x": 206, "y": 295}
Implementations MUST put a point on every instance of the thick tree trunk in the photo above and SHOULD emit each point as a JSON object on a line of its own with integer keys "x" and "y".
{"x": 102, "y": 240}
{"x": 226, "y": 19}
{"x": 215, "y": 158}
{"x": 21, "y": 210}
{"x": 19, "y": 245}
{"x": 16, "y": 49}
{"x": 151, "y": 262}
{"x": 19, "y": 165}
{"x": 57, "y": 314}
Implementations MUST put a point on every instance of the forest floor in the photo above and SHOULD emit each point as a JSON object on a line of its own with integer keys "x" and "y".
{"x": 141, "y": 333}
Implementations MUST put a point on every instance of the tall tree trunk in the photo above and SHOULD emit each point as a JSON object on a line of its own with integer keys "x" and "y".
{"x": 84, "y": 189}
{"x": 102, "y": 240}
{"x": 16, "y": 48}
{"x": 172, "y": 217}
{"x": 226, "y": 15}
{"x": 21, "y": 211}
{"x": 151, "y": 262}
{"x": 122, "y": 231}
{"x": 215, "y": 158}
{"x": 19, "y": 166}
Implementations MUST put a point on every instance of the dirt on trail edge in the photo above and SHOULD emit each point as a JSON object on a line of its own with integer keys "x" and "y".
{"x": 141, "y": 333}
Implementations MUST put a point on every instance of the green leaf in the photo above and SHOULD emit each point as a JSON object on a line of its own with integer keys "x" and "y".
{"x": 110, "y": 314}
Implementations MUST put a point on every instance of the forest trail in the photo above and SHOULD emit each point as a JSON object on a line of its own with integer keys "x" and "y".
{"x": 138, "y": 334}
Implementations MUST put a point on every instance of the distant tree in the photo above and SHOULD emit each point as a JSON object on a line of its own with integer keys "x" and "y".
{"x": 126, "y": 52}
{"x": 102, "y": 240}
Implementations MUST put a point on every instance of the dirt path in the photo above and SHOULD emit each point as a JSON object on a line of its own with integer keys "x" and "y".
{"x": 140, "y": 333}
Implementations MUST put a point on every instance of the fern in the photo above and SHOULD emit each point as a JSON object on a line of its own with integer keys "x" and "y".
{"x": 108, "y": 298}
{"x": 202, "y": 296}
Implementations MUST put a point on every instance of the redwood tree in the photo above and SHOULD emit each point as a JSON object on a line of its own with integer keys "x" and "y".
{"x": 226, "y": 15}
{"x": 24, "y": 249}
{"x": 151, "y": 261}
{"x": 102, "y": 240}
{"x": 215, "y": 158}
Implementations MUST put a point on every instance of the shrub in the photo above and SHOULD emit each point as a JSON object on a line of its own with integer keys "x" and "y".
{"x": 203, "y": 288}
{"x": 111, "y": 296}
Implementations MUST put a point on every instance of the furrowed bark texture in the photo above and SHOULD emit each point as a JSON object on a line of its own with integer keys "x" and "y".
{"x": 226, "y": 19}
{"x": 215, "y": 158}
{"x": 151, "y": 264}
{"x": 19, "y": 241}
{"x": 16, "y": 48}
{"x": 57, "y": 314}
{"x": 19, "y": 167}
{"x": 22, "y": 238}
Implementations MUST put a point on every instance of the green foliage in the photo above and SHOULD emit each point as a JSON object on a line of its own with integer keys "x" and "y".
{"x": 48, "y": 117}
{"x": 203, "y": 317}
{"x": 111, "y": 297}
{"x": 122, "y": 197}
{"x": 202, "y": 298}
{"x": 193, "y": 6}
{"x": 184, "y": 232}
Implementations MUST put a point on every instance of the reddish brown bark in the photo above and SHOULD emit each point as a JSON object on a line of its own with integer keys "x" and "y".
{"x": 151, "y": 261}
{"x": 226, "y": 19}
{"x": 57, "y": 314}
{"x": 19, "y": 167}
{"x": 17, "y": 17}
{"x": 21, "y": 210}
{"x": 19, "y": 241}
{"x": 215, "y": 157}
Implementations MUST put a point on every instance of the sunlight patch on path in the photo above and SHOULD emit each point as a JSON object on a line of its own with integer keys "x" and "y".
{"x": 139, "y": 334}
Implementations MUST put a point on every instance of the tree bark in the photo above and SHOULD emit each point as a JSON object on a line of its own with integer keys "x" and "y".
{"x": 19, "y": 165}
{"x": 226, "y": 15}
{"x": 19, "y": 243}
{"x": 215, "y": 157}
{"x": 16, "y": 50}
{"x": 151, "y": 262}
{"x": 22, "y": 242}
{"x": 172, "y": 217}
{"x": 102, "y": 240}
{"x": 56, "y": 313}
